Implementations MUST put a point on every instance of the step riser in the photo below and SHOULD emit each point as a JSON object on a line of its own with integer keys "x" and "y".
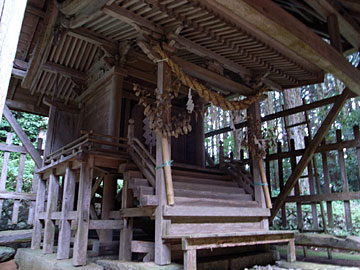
{"x": 194, "y": 228}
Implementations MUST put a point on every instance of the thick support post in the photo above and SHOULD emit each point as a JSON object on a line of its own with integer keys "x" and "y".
{"x": 162, "y": 251}
{"x": 115, "y": 104}
{"x": 83, "y": 212}
{"x": 108, "y": 204}
{"x": 67, "y": 205}
{"x": 254, "y": 131}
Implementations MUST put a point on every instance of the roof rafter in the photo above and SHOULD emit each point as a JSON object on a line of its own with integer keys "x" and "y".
{"x": 275, "y": 22}
{"x": 349, "y": 29}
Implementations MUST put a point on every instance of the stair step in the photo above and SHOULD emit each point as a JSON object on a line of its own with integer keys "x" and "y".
{"x": 206, "y": 181}
{"x": 222, "y": 176}
{"x": 143, "y": 190}
{"x": 152, "y": 200}
{"x": 195, "y": 168}
{"x": 134, "y": 182}
{"x": 127, "y": 167}
{"x": 201, "y": 228}
{"x": 209, "y": 211}
{"x": 212, "y": 195}
{"x": 132, "y": 174}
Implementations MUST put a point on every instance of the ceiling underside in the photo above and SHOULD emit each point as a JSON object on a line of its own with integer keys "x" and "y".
{"x": 201, "y": 35}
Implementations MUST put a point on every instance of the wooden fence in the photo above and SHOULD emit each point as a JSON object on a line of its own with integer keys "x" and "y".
{"x": 320, "y": 191}
{"x": 11, "y": 151}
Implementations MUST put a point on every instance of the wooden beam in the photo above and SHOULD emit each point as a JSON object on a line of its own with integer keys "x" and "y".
{"x": 88, "y": 36}
{"x": 273, "y": 21}
{"x": 23, "y": 137}
{"x": 43, "y": 46}
{"x": 213, "y": 78}
{"x": 204, "y": 52}
{"x": 131, "y": 18}
{"x": 310, "y": 150}
{"x": 80, "y": 12}
{"x": 349, "y": 28}
{"x": 65, "y": 71}
{"x": 334, "y": 32}
{"x": 12, "y": 14}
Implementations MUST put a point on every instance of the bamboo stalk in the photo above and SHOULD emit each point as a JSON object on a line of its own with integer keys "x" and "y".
{"x": 167, "y": 170}
{"x": 265, "y": 184}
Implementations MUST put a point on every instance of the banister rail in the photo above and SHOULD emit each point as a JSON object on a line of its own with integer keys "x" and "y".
{"x": 141, "y": 157}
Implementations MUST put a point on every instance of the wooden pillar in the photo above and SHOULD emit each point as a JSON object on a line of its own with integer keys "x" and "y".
{"x": 115, "y": 104}
{"x": 162, "y": 251}
{"x": 83, "y": 212}
{"x": 63, "y": 251}
{"x": 51, "y": 205}
{"x": 108, "y": 204}
{"x": 254, "y": 129}
{"x": 344, "y": 180}
{"x": 12, "y": 15}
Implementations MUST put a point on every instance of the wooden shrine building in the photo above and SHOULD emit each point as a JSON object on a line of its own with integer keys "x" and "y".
{"x": 125, "y": 83}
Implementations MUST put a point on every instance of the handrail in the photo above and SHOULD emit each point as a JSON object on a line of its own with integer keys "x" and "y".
{"x": 143, "y": 159}
{"x": 236, "y": 172}
{"x": 137, "y": 141}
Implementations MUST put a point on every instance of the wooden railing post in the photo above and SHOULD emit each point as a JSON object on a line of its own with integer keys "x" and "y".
{"x": 131, "y": 132}
{"x": 221, "y": 155}
{"x": 281, "y": 183}
{"x": 344, "y": 180}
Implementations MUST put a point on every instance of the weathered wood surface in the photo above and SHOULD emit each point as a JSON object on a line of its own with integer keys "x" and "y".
{"x": 83, "y": 209}
{"x": 68, "y": 198}
{"x": 287, "y": 30}
{"x": 51, "y": 206}
{"x": 15, "y": 236}
{"x": 328, "y": 241}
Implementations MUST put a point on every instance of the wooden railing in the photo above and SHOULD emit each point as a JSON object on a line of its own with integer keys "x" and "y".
{"x": 11, "y": 152}
{"x": 141, "y": 157}
{"x": 89, "y": 141}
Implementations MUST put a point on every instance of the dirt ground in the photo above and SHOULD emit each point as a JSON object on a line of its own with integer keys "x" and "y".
{"x": 10, "y": 265}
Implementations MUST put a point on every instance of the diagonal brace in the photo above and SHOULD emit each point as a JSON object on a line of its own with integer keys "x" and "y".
{"x": 23, "y": 137}
{"x": 310, "y": 150}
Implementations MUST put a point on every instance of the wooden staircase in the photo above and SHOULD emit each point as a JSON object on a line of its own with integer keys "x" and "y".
{"x": 206, "y": 201}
